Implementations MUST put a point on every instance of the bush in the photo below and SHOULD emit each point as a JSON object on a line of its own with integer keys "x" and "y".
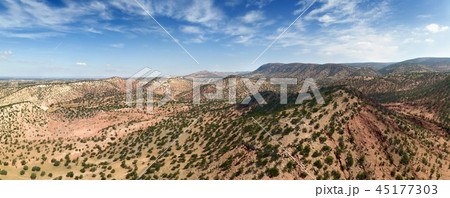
{"x": 405, "y": 159}
{"x": 273, "y": 172}
{"x": 36, "y": 168}
{"x": 362, "y": 176}
{"x": 329, "y": 160}
{"x": 227, "y": 164}
{"x": 22, "y": 172}
{"x": 336, "y": 175}
{"x": 318, "y": 164}
{"x": 349, "y": 160}
{"x": 33, "y": 176}
{"x": 69, "y": 174}
{"x": 3, "y": 172}
{"x": 305, "y": 151}
{"x": 289, "y": 166}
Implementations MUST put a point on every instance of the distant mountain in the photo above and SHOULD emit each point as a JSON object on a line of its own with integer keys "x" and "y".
{"x": 438, "y": 64}
{"x": 366, "y": 71}
{"x": 405, "y": 67}
{"x": 325, "y": 72}
{"x": 418, "y": 65}
{"x": 209, "y": 74}
{"x": 373, "y": 65}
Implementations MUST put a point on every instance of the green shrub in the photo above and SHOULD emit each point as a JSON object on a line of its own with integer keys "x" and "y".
{"x": 273, "y": 172}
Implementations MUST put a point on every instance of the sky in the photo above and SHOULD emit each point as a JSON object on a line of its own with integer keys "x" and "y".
{"x": 93, "y": 38}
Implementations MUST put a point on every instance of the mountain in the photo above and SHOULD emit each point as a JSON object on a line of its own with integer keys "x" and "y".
{"x": 325, "y": 72}
{"x": 210, "y": 74}
{"x": 421, "y": 94}
{"x": 373, "y": 65}
{"x": 371, "y": 126}
{"x": 405, "y": 67}
{"x": 418, "y": 65}
{"x": 438, "y": 64}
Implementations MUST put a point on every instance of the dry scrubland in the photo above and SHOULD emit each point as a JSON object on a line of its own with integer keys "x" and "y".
{"x": 392, "y": 126}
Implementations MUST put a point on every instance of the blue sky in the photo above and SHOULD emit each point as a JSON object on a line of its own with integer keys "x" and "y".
{"x": 92, "y": 38}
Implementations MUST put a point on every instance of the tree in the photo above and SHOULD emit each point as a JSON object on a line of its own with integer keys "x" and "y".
{"x": 405, "y": 159}
{"x": 318, "y": 164}
{"x": 349, "y": 160}
{"x": 36, "y": 168}
{"x": 33, "y": 176}
{"x": 329, "y": 160}
{"x": 69, "y": 174}
{"x": 273, "y": 172}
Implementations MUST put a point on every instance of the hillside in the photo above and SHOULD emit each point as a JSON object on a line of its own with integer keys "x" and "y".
{"x": 403, "y": 68}
{"x": 326, "y": 72}
{"x": 210, "y": 74}
{"x": 371, "y": 126}
{"x": 373, "y": 65}
{"x": 438, "y": 64}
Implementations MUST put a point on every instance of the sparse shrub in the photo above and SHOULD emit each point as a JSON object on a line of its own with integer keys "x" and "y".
{"x": 272, "y": 172}
{"x": 329, "y": 160}
{"x": 69, "y": 174}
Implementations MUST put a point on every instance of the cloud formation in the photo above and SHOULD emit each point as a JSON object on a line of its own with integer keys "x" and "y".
{"x": 435, "y": 28}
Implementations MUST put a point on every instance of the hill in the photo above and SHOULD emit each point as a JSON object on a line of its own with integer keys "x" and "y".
{"x": 371, "y": 126}
{"x": 438, "y": 64}
{"x": 404, "y": 67}
{"x": 373, "y": 65}
{"x": 325, "y": 72}
{"x": 210, "y": 74}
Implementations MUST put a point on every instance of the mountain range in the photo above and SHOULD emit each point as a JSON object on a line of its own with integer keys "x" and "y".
{"x": 378, "y": 121}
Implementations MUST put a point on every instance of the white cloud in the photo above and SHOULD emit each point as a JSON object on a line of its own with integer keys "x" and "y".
{"x": 428, "y": 40}
{"x": 198, "y": 39}
{"x": 435, "y": 28}
{"x": 363, "y": 46}
{"x": 37, "y": 14}
{"x": 238, "y": 30}
{"x": 117, "y": 45}
{"x": 244, "y": 39}
{"x": 76, "y": 16}
{"x": 92, "y": 30}
{"x": 4, "y": 55}
{"x": 81, "y": 64}
{"x": 253, "y": 16}
{"x": 33, "y": 35}
{"x": 195, "y": 11}
{"x": 326, "y": 19}
{"x": 191, "y": 30}
{"x": 233, "y": 3}
{"x": 346, "y": 11}
{"x": 259, "y": 3}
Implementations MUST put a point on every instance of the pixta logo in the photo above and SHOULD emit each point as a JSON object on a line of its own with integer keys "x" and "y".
{"x": 253, "y": 88}
{"x": 142, "y": 79}
{"x": 149, "y": 80}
